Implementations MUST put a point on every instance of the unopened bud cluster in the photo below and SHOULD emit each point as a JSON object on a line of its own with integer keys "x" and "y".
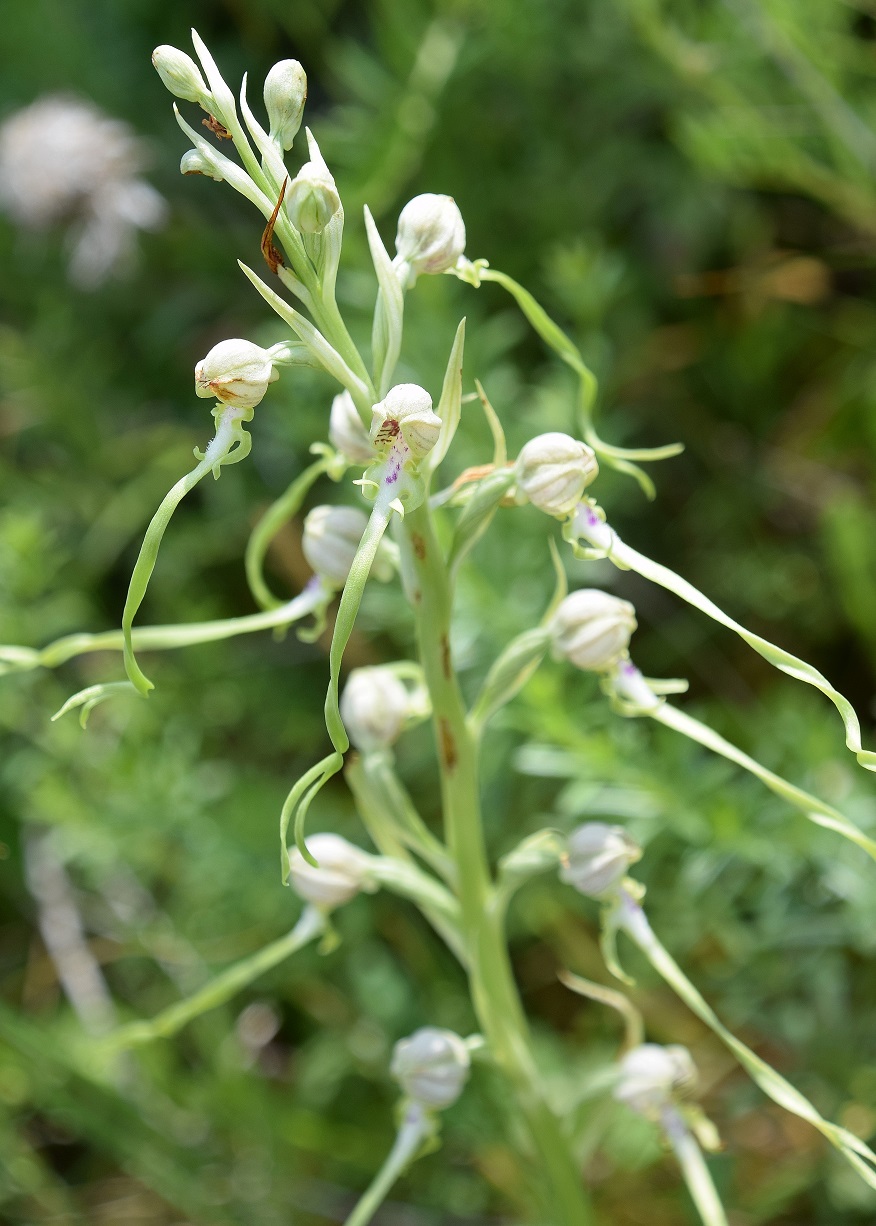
{"x": 342, "y": 871}
{"x": 652, "y": 1077}
{"x": 553, "y": 470}
{"x": 432, "y": 1067}
{"x": 597, "y": 857}
{"x": 592, "y": 629}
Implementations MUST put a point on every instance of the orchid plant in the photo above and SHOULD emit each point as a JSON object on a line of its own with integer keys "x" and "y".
{"x": 386, "y": 443}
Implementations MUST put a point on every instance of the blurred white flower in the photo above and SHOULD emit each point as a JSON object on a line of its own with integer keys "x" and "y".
{"x": 64, "y": 161}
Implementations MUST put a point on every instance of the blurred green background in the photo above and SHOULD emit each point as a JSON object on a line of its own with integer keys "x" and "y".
{"x": 689, "y": 189}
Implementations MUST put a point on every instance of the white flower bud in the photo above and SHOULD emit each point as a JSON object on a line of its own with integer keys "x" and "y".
{"x": 553, "y": 470}
{"x": 431, "y": 234}
{"x": 195, "y": 162}
{"x": 431, "y": 1066}
{"x": 237, "y": 372}
{"x": 374, "y": 707}
{"x": 651, "y": 1076}
{"x": 406, "y": 410}
{"x": 180, "y": 74}
{"x": 331, "y": 538}
{"x": 343, "y": 870}
{"x": 346, "y": 431}
{"x": 285, "y": 95}
{"x": 312, "y": 199}
{"x": 597, "y": 857}
{"x": 592, "y": 629}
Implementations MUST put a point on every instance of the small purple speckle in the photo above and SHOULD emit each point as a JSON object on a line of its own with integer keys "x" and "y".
{"x": 592, "y": 519}
{"x": 630, "y": 669}
{"x": 393, "y": 477}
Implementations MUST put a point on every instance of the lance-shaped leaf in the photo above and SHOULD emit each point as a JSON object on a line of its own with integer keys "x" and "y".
{"x": 324, "y": 248}
{"x": 386, "y": 331}
{"x": 327, "y": 357}
{"x": 476, "y": 514}
{"x": 509, "y": 673}
{"x": 520, "y": 659}
{"x": 450, "y": 404}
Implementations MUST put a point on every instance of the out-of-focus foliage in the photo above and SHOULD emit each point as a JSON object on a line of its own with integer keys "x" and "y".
{"x": 690, "y": 189}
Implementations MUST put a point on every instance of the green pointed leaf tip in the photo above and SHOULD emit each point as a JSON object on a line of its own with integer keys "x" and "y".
{"x": 450, "y": 405}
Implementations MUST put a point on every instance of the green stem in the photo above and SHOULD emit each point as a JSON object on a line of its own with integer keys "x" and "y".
{"x": 494, "y": 993}
{"x": 331, "y": 323}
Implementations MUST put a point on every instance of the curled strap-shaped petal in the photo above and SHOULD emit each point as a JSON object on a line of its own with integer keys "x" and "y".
{"x": 309, "y": 785}
{"x": 626, "y": 558}
{"x": 278, "y": 513}
{"x": 222, "y": 988}
{"x": 621, "y": 458}
{"x": 630, "y": 918}
{"x": 450, "y": 404}
{"x": 416, "y": 1127}
{"x": 229, "y": 444}
{"x": 816, "y": 810}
